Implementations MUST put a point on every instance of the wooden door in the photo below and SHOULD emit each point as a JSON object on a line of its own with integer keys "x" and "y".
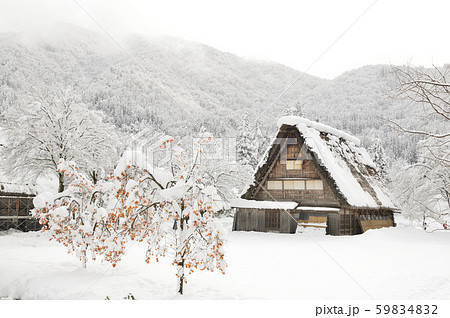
{"x": 272, "y": 220}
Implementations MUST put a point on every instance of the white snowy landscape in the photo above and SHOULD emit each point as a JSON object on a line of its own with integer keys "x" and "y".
{"x": 140, "y": 165}
{"x": 391, "y": 263}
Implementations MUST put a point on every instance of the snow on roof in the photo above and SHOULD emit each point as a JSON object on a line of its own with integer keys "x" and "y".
{"x": 253, "y": 204}
{"x": 317, "y": 208}
{"x": 15, "y": 188}
{"x": 347, "y": 163}
{"x": 296, "y": 120}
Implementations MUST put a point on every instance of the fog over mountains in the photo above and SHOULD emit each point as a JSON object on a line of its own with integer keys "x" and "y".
{"x": 197, "y": 86}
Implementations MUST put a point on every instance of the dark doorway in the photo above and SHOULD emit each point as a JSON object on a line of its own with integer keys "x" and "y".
{"x": 272, "y": 220}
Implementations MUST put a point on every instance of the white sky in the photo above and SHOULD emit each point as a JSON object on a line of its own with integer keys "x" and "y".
{"x": 291, "y": 32}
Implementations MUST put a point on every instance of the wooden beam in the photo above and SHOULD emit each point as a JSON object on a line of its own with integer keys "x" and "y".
{"x": 3, "y": 217}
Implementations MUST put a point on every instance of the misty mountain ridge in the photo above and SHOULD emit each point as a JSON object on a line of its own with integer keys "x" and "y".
{"x": 202, "y": 86}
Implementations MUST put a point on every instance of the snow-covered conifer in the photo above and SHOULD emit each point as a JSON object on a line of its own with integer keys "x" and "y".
{"x": 379, "y": 157}
{"x": 247, "y": 143}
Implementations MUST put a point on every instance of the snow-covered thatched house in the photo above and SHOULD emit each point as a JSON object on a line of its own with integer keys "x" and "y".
{"x": 314, "y": 175}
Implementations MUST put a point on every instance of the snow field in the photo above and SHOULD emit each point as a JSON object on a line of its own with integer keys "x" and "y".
{"x": 392, "y": 263}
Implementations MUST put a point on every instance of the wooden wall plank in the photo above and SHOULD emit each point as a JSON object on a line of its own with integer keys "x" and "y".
{"x": 375, "y": 224}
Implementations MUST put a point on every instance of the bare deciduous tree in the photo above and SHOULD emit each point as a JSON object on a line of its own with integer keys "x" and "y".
{"x": 423, "y": 189}
{"x": 429, "y": 89}
{"x": 55, "y": 126}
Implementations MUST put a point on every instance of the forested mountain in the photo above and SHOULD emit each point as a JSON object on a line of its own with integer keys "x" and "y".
{"x": 197, "y": 86}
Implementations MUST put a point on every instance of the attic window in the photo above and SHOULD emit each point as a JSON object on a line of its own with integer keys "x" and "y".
{"x": 294, "y": 165}
{"x": 314, "y": 185}
{"x": 275, "y": 185}
{"x": 293, "y": 151}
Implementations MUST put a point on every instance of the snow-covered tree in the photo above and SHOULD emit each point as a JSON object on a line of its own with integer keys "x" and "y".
{"x": 191, "y": 235}
{"x": 263, "y": 140}
{"x": 423, "y": 191}
{"x": 52, "y": 126}
{"x": 429, "y": 92}
{"x": 220, "y": 169}
{"x": 170, "y": 208}
{"x": 379, "y": 157}
{"x": 75, "y": 218}
{"x": 423, "y": 188}
{"x": 247, "y": 143}
{"x": 299, "y": 109}
{"x": 296, "y": 110}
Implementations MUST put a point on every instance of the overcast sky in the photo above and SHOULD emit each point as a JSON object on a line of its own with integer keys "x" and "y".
{"x": 291, "y": 32}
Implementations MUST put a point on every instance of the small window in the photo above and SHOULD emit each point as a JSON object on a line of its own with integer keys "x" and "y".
{"x": 294, "y": 185}
{"x": 293, "y": 151}
{"x": 314, "y": 185}
{"x": 294, "y": 165}
{"x": 299, "y": 185}
{"x": 275, "y": 185}
{"x": 289, "y": 185}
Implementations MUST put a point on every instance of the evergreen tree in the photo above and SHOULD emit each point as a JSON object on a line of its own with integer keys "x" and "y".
{"x": 290, "y": 111}
{"x": 296, "y": 110}
{"x": 379, "y": 157}
{"x": 299, "y": 108}
{"x": 247, "y": 144}
{"x": 263, "y": 141}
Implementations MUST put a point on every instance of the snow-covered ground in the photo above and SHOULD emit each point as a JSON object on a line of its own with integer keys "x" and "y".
{"x": 394, "y": 263}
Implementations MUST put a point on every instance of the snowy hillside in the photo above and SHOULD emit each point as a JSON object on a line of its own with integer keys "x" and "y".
{"x": 213, "y": 86}
{"x": 201, "y": 85}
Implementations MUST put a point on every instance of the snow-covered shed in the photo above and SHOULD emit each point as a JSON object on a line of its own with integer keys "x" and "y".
{"x": 313, "y": 174}
{"x": 16, "y": 201}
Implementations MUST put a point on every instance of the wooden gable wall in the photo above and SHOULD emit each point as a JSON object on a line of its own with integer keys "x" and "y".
{"x": 309, "y": 170}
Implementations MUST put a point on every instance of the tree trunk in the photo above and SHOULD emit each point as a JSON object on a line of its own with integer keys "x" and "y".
{"x": 94, "y": 176}
{"x": 181, "y": 256}
{"x": 61, "y": 182}
{"x": 181, "y": 277}
{"x": 83, "y": 255}
{"x": 83, "y": 259}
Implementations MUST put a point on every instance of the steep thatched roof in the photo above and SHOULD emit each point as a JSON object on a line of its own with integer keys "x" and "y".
{"x": 341, "y": 158}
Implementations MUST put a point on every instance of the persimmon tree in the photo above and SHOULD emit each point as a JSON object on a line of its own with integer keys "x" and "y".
{"x": 169, "y": 208}
{"x": 74, "y": 217}
{"x": 172, "y": 209}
